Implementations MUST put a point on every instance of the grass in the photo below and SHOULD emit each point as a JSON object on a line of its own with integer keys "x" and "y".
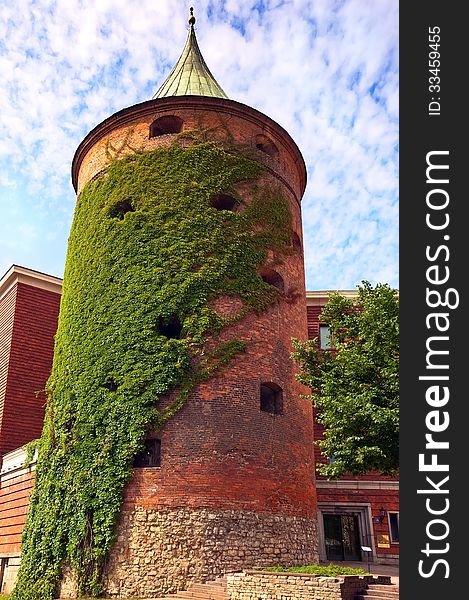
{"x": 323, "y": 570}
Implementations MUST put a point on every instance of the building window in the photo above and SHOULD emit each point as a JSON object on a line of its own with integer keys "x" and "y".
{"x": 325, "y": 341}
{"x": 296, "y": 242}
{"x": 272, "y": 278}
{"x": 394, "y": 526}
{"x": 266, "y": 145}
{"x": 271, "y": 398}
{"x": 150, "y": 456}
{"x": 170, "y": 327}
{"x": 224, "y": 202}
{"x": 120, "y": 209}
{"x": 165, "y": 125}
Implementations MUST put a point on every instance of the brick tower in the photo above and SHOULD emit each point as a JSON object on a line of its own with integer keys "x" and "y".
{"x": 228, "y": 481}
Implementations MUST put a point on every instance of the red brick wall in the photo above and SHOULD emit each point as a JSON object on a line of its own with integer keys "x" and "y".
{"x": 227, "y": 121}
{"x": 221, "y": 450}
{"x": 7, "y": 315}
{"x": 313, "y": 313}
{"x": 29, "y": 357}
{"x": 377, "y": 498}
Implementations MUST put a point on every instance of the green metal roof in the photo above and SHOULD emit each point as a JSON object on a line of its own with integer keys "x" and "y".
{"x": 190, "y": 76}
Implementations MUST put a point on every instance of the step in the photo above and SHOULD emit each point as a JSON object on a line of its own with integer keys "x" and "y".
{"x": 212, "y": 590}
{"x": 200, "y": 591}
{"x": 211, "y": 587}
{"x": 384, "y": 587}
{"x": 201, "y": 594}
{"x": 195, "y": 594}
{"x": 390, "y": 596}
{"x": 380, "y": 593}
{"x": 369, "y": 595}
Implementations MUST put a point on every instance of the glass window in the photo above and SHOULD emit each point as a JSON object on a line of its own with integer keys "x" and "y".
{"x": 325, "y": 342}
{"x": 394, "y": 526}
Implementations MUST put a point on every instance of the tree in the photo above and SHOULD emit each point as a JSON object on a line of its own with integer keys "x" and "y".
{"x": 355, "y": 385}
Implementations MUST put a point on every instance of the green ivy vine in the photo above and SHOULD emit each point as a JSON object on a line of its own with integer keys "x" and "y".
{"x": 147, "y": 255}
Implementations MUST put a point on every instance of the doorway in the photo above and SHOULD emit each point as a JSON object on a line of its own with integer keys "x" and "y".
{"x": 342, "y": 537}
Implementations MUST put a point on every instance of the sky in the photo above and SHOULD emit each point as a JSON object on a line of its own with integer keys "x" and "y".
{"x": 325, "y": 70}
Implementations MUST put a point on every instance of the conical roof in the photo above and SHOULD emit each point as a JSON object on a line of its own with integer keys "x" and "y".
{"x": 190, "y": 76}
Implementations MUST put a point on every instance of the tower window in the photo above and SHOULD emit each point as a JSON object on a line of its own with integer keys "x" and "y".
{"x": 120, "y": 209}
{"x": 265, "y": 144}
{"x": 111, "y": 384}
{"x": 272, "y": 278}
{"x": 165, "y": 125}
{"x": 170, "y": 328}
{"x": 271, "y": 398}
{"x": 150, "y": 456}
{"x": 296, "y": 242}
{"x": 224, "y": 202}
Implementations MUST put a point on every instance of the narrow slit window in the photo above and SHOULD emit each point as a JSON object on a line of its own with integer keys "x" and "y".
{"x": 394, "y": 526}
{"x": 296, "y": 242}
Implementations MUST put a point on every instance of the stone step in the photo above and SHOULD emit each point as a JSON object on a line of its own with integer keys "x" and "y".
{"x": 207, "y": 594}
{"x": 196, "y": 588}
{"x": 212, "y": 590}
{"x": 391, "y": 596}
{"x": 379, "y": 593}
{"x": 371, "y": 594}
{"x": 193, "y": 596}
{"x": 385, "y": 588}
{"x": 209, "y": 587}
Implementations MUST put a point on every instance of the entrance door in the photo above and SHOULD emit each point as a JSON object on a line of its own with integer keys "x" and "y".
{"x": 342, "y": 537}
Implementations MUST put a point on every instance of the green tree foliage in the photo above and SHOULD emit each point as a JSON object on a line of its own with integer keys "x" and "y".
{"x": 356, "y": 384}
{"x": 147, "y": 256}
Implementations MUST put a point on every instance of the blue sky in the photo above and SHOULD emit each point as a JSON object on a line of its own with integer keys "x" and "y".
{"x": 325, "y": 70}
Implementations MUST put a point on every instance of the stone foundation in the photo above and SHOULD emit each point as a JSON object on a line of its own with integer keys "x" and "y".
{"x": 159, "y": 552}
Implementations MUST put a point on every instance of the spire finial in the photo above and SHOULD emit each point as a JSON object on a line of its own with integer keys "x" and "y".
{"x": 190, "y": 76}
{"x": 191, "y": 18}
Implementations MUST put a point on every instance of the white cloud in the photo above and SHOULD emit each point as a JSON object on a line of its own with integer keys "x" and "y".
{"x": 326, "y": 71}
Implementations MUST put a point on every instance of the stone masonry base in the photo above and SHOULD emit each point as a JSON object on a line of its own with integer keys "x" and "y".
{"x": 159, "y": 552}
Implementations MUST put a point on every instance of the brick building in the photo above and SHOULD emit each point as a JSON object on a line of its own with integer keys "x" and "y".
{"x": 229, "y": 482}
{"x": 29, "y": 307}
{"x": 353, "y": 511}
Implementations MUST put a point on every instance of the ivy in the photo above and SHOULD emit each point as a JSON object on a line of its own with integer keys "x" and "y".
{"x": 147, "y": 256}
